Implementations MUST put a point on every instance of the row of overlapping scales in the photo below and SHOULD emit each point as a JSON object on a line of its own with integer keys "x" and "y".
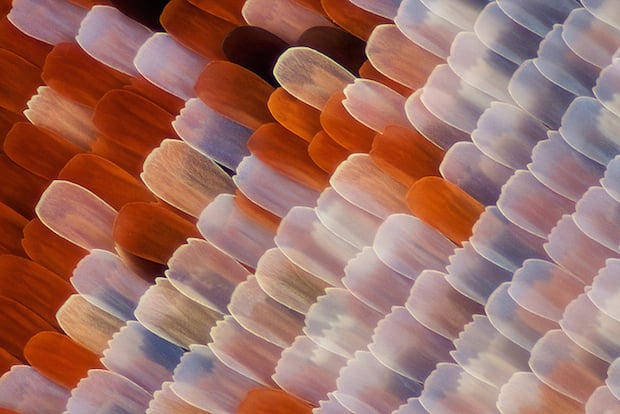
{"x": 337, "y": 268}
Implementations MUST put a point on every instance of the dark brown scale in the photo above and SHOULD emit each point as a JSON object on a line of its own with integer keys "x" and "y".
{"x": 255, "y": 49}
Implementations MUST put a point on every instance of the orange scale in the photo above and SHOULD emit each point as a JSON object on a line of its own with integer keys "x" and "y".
{"x": 368, "y": 71}
{"x": 195, "y": 28}
{"x": 60, "y": 358}
{"x": 133, "y": 121}
{"x": 5, "y": 7}
{"x": 405, "y": 154}
{"x": 158, "y": 96}
{"x": 294, "y": 115}
{"x": 38, "y": 150}
{"x": 119, "y": 155}
{"x": 7, "y": 120}
{"x": 228, "y": 10}
{"x": 19, "y": 80}
{"x": 34, "y": 286}
{"x": 326, "y": 153}
{"x": 19, "y": 324}
{"x": 272, "y": 401}
{"x": 72, "y": 73}
{"x": 343, "y": 128}
{"x": 11, "y": 231}
{"x": 87, "y": 4}
{"x": 109, "y": 181}
{"x": 174, "y": 210}
{"x": 443, "y": 205}
{"x": 50, "y": 250}
{"x": 236, "y": 93}
{"x": 151, "y": 231}
{"x": 257, "y": 213}
{"x": 287, "y": 153}
{"x": 6, "y": 362}
{"x": 19, "y": 188}
{"x": 351, "y": 18}
{"x": 31, "y": 49}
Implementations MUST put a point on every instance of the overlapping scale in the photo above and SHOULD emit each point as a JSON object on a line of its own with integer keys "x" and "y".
{"x": 605, "y": 88}
{"x": 141, "y": 356}
{"x": 430, "y": 125}
{"x": 450, "y": 389}
{"x": 521, "y": 326}
{"x": 392, "y": 54}
{"x": 561, "y": 65}
{"x": 103, "y": 279}
{"x": 460, "y": 110}
{"x": 508, "y": 134}
{"x": 365, "y": 193}
{"x": 480, "y": 176}
{"x": 308, "y": 370}
{"x": 288, "y": 20}
{"x": 434, "y": 303}
{"x": 205, "y": 274}
{"x": 553, "y": 158}
{"x": 107, "y": 391}
{"x": 544, "y": 288}
{"x": 86, "y": 324}
{"x": 550, "y": 101}
{"x": 368, "y": 386}
{"x": 590, "y": 38}
{"x": 591, "y": 329}
{"x": 569, "y": 247}
{"x": 166, "y": 401}
{"x": 531, "y": 205}
{"x": 604, "y": 289}
{"x": 26, "y": 390}
{"x": 235, "y": 92}
{"x": 479, "y": 66}
{"x": 49, "y": 22}
{"x": 554, "y": 354}
{"x": 486, "y": 354}
{"x": 408, "y": 246}
{"x": 356, "y": 226}
{"x": 268, "y": 310}
{"x": 212, "y": 134}
{"x": 287, "y": 283}
{"x": 425, "y": 28}
{"x": 535, "y": 15}
{"x": 174, "y": 317}
{"x": 310, "y": 76}
{"x": 112, "y": 38}
{"x": 609, "y": 181}
{"x": 407, "y": 347}
{"x": 373, "y": 283}
{"x": 72, "y": 120}
{"x": 602, "y": 400}
{"x": 244, "y": 352}
{"x": 340, "y": 323}
{"x": 200, "y": 371}
{"x": 540, "y": 397}
{"x": 504, "y": 36}
{"x": 387, "y": 106}
{"x": 311, "y": 246}
{"x": 596, "y": 214}
{"x": 263, "y": 316}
